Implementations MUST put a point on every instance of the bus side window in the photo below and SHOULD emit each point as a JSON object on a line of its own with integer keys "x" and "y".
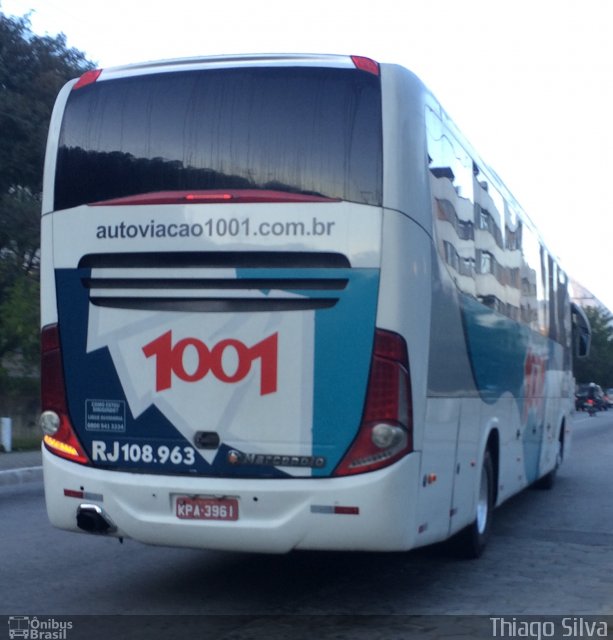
{"x": 581, "y": 331}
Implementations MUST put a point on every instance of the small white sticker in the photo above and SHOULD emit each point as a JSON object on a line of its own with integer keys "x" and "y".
{"x": 105, "y": 415}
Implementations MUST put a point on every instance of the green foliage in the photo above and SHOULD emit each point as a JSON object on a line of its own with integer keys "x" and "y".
{"x": 32, "y": 71}
{"x": 598, "y": 366}
{"x": 19, "y": 313}
{"x": 19, "y": 277}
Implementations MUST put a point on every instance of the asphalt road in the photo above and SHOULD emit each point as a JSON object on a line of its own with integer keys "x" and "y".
{"x": 551, "y": 554}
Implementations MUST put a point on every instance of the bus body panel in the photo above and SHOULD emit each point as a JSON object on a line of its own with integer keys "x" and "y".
{"x": 405, "y": 185}
{"x": 349, "y": 229}
{"x": 274, "y": 516}
{"x": 48, "y": 295}
{"x": 500, "y": 311}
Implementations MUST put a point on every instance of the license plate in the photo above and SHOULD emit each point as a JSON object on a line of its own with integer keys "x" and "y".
{"x": 207, "y": 508}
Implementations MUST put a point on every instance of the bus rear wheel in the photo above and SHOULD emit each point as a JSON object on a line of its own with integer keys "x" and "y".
{"x": 472, "y": 541}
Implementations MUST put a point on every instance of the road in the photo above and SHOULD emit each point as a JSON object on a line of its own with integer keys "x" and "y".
{"x": 551, "y": 554}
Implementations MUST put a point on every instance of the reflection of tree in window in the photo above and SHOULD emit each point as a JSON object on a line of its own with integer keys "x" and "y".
{"x": 300, "y": 130}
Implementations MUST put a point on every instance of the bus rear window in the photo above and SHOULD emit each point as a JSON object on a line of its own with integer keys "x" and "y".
{"x": 314, "y": 131}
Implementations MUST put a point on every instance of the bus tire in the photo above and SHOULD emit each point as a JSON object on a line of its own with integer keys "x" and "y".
{"x": 473, "y": 539}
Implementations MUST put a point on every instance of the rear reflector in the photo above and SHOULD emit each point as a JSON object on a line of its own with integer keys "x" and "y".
{"x": 83, "y": 495}
{"x": 335, "y": 510}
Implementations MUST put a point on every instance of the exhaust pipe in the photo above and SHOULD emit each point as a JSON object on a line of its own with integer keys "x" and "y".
{"x": 92, "y": 519}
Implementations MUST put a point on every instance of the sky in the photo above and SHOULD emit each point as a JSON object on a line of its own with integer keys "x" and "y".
{"x": 529, "y": 82}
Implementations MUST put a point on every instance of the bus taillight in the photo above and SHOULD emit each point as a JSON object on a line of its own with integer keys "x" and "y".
{"x": 366, "y": 64}
{"x": 89, "y": 77}
{"x": 386, "y": 432}
{"x": 59, "y": 437}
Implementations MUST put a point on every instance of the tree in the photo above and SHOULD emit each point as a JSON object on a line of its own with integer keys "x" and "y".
{"x": 598, "y": 366}
{"x": 32, "y": 71}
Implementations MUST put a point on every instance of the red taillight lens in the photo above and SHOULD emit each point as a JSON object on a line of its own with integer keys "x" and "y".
{"x": 63, "y": 441}
{"x": 366, "y": 64}
{"x": 89, "y": 77}
{"x": 385, "y": 433}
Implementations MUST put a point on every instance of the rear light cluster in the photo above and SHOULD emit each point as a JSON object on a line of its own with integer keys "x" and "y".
{"x": 386, "y": 431}
{"x": 59, "y": 436}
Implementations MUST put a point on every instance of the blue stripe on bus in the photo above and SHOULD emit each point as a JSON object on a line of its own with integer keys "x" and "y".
{"x": 344, "y": 338}
{"x": 500, "y": 351}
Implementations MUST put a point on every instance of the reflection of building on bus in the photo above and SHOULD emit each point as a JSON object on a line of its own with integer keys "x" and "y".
{"x": 285, "y": 325}
{"x": 490, "y": 247}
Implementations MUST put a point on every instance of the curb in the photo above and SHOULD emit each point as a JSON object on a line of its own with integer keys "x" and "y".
{"x": 25, "y": 475}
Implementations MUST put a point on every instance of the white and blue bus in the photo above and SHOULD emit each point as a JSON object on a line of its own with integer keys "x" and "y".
{"x": 286, "y": 306}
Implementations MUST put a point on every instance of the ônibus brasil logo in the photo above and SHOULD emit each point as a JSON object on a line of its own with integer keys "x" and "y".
{"x": 170, "y": 359}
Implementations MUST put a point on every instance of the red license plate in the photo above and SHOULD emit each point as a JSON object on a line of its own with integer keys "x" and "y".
{"x": 207, "y": 508}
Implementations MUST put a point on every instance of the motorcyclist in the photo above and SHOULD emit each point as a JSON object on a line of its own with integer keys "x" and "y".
{"x": 592, "y": 398}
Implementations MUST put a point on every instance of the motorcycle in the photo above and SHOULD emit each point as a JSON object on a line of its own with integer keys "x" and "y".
{"x": 591, "y": 407}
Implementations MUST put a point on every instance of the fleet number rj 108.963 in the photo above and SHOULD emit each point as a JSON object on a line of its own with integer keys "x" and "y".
{"x": 142, "y": 453}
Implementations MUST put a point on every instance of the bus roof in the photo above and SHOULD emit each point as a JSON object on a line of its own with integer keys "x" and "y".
{"x": 225, "y": 61}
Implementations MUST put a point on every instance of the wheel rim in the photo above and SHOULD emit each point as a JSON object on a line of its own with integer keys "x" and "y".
{"x": 483, "y": 504}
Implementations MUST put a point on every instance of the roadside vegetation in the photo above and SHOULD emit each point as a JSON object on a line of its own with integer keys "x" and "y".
{"x": 32, "y": 70}
{"x": 598, "y": 366}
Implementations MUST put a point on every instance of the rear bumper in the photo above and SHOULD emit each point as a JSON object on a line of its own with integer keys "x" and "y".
{"x": 275, "y": 516}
